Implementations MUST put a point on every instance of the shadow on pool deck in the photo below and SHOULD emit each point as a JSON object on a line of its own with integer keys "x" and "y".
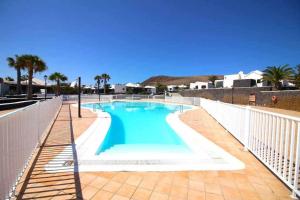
{"x": 43, "y": 184}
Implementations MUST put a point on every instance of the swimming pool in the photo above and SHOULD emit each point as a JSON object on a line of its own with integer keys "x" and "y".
{"x": 140, "y": 126}
{"x": 142, "y": 136}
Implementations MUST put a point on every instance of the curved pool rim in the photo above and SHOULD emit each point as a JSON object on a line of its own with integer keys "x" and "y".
{"x": 88, "y": 161}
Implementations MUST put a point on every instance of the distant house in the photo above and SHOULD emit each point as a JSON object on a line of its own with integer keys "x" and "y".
{"x": 133, "y": 85}
{"x": 182, "y": 87}
{"x": 176, "y": 88}
{"x": 253, "y": 75}
{"x": 118, "y": 88}
{"x": 133, "y": 88}
{"x": 219, "y": 83}
{"x": 73, "y": 84}
{"x": 252, "y": 79}
{"x": 201, "y": 85}
{"x": 10, "y": 87}
{"x": 88, "y": 89}
{"x": 150, "y": 89}
{"x": 257, "y": 76}
{"x": 286, "y": 83}
{"x": 244, "y": 83}
{"x": 228, "y": 79}
{"x": 172, "y": 88}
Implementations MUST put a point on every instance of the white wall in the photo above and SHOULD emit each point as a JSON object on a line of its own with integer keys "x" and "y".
{"x": 228, "y": 80}
{"x": 151, "y": 90}
{"x": 120, "y": 89}
{"x": 199, "y": 85}
{"x": 171, "y": 88}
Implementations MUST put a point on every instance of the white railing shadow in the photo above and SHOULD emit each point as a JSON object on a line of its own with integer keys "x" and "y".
{"x": 21, "y": 132}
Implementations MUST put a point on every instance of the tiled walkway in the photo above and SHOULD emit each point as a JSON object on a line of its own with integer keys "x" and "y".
{"x": 255, "y": 182}
{"x": 40, "y": 184}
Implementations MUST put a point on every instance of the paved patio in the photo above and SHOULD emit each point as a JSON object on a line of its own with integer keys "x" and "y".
{"x": 255, "y": 182}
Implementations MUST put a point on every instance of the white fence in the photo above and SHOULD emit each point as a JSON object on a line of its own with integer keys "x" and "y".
{"x": 231, "y": 117}
{"x": 83, "y": 97}
{"x": 20, "y": 133}
{"x": 87, "y": 97}
{"x": 273, "y": 138}
{"x": 184, "y": 100}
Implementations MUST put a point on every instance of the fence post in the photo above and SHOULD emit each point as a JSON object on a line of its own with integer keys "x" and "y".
{"x": 38, "y": 123}
{"x": 79, "y": 97}
{"x": 247, "y": 128}
{"x": 296, "y": 173}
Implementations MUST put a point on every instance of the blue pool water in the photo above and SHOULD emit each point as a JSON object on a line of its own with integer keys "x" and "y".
{"x": 138, "y": 123}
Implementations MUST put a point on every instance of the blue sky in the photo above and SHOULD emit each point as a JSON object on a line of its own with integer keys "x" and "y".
{"x": 134, "y": 39}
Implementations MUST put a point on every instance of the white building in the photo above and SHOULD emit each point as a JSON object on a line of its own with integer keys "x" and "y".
{"x": 118, "y": 88}
{"x": 73, "y": 84}
{"x": 172, "y": 88}
{"x": 255, "y": 75}
{"x": 182, "y": 87}
{"x": 219, "y": 83}
{"x": 150, "y": 89}
{"x": 228, "y": 79}
{"x": 286, "y": 83}
{"x": 133, "y": 85}
{"x": 201, "y": 85}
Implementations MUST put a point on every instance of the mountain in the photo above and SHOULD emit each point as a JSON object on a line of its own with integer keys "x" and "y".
{"x": 173, "y": 80}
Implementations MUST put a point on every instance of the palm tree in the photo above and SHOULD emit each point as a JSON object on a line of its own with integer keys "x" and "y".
{"x": 297, "y": 76}
{"x": 105, "y": 78}
{"x": 33, "y": 64}
{"x": 275, "y": 75}
{"x": 17, "y": 65}
{"x": 58, "y": 77}
{"x": 8, "y": 78}
{"x": 98, "y": 79}
{"x": 212, "y": 78}
{"x": 24, "y": 77}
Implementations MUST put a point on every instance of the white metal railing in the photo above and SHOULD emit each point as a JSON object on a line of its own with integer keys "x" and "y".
{"x": 275, "y": 140}
{"x": 272, "y": 137}
{"x": 137, "y": 96}
{"x": 86, "y": 97}
{"x": 20, "y": 133}
{"x": 74, "y": 97}
{"x": 183, "y": 100}
{"x": 231, "y": 117}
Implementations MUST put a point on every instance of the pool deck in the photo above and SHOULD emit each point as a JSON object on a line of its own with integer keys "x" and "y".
{"x": 255, "y": 182}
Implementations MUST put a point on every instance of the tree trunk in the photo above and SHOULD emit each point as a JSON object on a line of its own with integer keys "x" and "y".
{"x": 29, "y": 87}
{"x": 18, "y": 80}
{"x": 57, "y": 87}
{"x": 98, "y": 87}
{"x": 278, "y": 86}
{"x": 104, "y": 87}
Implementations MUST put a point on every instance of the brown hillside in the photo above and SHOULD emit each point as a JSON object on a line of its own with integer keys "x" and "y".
{"x": 171, "y": 80}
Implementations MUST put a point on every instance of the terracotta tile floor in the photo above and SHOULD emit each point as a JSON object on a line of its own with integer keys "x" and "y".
{"x": 254, "y": 182}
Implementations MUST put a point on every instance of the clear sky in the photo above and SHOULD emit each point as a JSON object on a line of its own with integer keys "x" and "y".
{"x": 134, "y": 39}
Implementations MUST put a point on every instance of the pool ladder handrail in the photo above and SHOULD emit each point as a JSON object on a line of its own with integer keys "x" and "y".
{"x": 180, "y": 109}
{"x": 95, "y": 105}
